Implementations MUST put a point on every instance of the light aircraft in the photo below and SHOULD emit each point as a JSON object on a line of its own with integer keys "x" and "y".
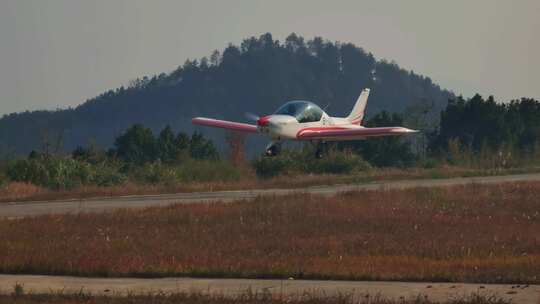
{"x": 305, "y": 121}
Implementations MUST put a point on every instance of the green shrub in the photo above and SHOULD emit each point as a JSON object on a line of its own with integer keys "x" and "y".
{"x": 3, "y": 177}
{"x": 18, "y": 290}
{"x": 189, "y": 170}
{"x": 429, "y": 163}
{"x": 336, "y": 163}
{"x": 207, "y": 171}
{"x": 63, "y": 173}
{"x": 107, "y": 174}
{"x": 154, "y": 173}
{"x": 51, "y": 172}
{"x": 272, "y": 166}
{"x": 304, "y": 161}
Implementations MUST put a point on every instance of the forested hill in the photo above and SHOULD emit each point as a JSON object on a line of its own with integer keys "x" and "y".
{"x": 257, "y": 76}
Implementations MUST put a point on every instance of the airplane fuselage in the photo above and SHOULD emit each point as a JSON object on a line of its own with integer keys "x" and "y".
{"x": 285, "y": 127}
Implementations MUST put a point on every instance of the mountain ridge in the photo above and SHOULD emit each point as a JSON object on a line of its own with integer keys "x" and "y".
{"x": 256, "y": 76}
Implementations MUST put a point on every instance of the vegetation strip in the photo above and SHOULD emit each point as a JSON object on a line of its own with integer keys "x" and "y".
{"x": 287, "y": 291}
{"x": 22, "y": 191}
{"x": 247, "y": 298}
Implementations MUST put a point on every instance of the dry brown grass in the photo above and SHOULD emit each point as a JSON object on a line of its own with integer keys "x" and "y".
{"x": 27, "y": 192}
{"x": 245, "y": 298}
{"x": 474, "y": 233}
{"x": 16, "y": 191}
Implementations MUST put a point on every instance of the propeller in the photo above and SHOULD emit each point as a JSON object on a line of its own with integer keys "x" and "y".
{"x": 252, "y": 116}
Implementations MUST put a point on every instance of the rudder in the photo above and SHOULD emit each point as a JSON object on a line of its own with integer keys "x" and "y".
{"x": 357, "y": 113}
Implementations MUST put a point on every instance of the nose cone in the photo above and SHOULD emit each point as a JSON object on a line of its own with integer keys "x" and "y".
{"x": 263, "y": 121}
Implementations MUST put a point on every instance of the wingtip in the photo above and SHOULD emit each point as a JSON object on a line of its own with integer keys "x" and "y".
{"x": 195, "y": 120}
{"x": 406, "y": 130}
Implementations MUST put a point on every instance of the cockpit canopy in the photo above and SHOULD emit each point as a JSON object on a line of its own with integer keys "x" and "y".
{"x": 303, "y": 111}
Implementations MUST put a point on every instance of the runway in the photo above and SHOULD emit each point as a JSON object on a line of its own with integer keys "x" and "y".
{"x": 394, "y": 290}
{"x": 22, "y": 209}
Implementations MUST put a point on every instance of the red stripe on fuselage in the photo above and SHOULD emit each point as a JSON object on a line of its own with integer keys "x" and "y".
{"x": 349, "y": 132}
{"x": 299, "y": 133}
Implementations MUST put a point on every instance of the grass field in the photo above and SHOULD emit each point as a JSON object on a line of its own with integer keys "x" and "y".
{"x": 244, "y": 298}
{"x": 241, "y": 299}
{"x": 17, "y": 191}
{"x": 474, "y": 233}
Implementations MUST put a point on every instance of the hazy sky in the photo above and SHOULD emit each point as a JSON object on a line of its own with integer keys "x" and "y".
{"x": 58, "y": 53}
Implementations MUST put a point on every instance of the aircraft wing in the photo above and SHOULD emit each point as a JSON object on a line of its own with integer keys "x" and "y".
{"x": 224, "y": 124}
{"x": 343, "y": 133}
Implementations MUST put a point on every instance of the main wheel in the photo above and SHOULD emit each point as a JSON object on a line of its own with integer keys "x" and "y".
{"x": 273, "y": 150}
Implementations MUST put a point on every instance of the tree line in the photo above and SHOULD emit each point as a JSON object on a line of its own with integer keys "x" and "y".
{"x": 137, "y": 155}
{"x": 479, "y": 123}
{"x": 473, "y": 132}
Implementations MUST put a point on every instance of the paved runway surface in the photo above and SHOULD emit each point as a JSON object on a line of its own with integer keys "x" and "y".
{"x": 395, "y": 290}
{"x": 21, "y": 209}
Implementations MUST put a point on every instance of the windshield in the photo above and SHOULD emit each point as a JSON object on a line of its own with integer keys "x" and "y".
{"x": 303, "y": 111}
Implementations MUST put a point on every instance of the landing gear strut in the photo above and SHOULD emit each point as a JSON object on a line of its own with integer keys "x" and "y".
{"x": 320, "y": 150}
{"x": 319, "y": 153}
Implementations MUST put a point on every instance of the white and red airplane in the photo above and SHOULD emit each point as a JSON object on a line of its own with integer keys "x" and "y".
{"x": 305, "y": 121}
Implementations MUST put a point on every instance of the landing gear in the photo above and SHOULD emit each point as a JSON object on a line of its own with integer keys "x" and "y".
{"x": 273, "y": 149}
{"x": 320, "y": 150}
{"x": 319, "y": 153}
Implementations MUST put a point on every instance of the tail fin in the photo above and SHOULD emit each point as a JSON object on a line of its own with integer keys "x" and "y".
{"x": 357, "y": 113}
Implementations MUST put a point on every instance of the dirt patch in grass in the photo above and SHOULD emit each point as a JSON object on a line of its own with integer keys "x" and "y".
{"x": 473, "y": 233}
